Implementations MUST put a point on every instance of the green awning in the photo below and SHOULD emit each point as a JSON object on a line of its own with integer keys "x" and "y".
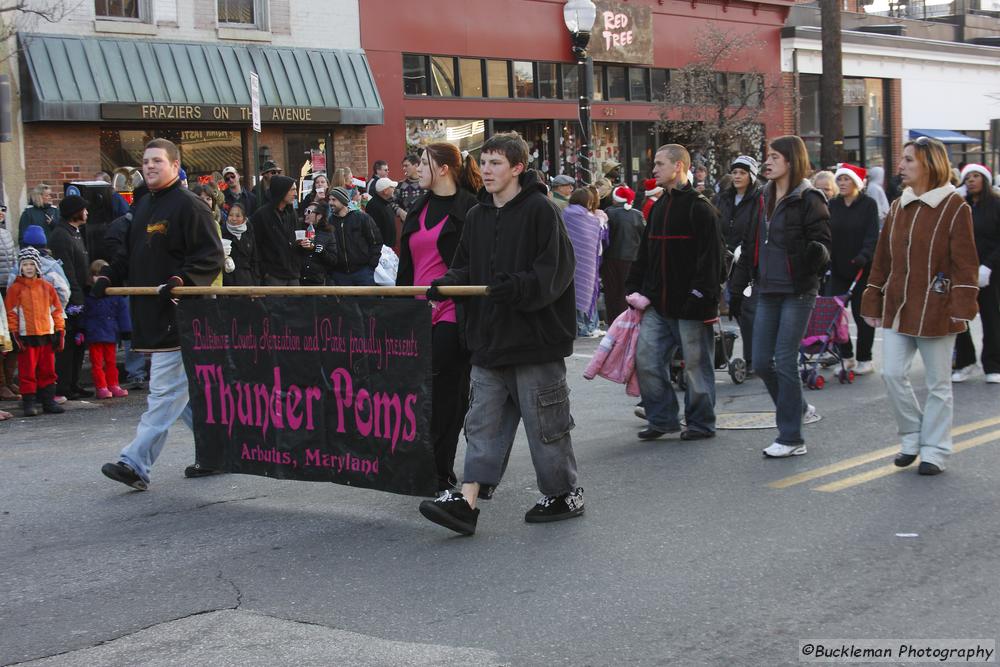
{"x": 101, "y": 78}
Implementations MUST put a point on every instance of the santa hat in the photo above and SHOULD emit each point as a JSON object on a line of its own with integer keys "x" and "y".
{"x": 856, "y": 174}
{"x": 651, "y": 188}
{"x": 624, "y": 195}
{"x": 977, "y": 169}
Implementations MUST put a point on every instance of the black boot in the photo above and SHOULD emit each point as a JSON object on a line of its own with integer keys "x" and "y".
{"x": 47, "y": 396}
{"x": 31, "y": 409}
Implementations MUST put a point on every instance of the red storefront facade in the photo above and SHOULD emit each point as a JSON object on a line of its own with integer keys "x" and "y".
{"x": 439, "y": 68}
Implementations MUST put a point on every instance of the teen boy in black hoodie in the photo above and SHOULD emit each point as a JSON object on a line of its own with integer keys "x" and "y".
{"x": 515, "y": 242}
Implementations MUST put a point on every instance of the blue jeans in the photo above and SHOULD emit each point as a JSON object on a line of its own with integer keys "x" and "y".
{"x": 585, "y": 323}
{"x": 135, "y": 363}
{"x": 168, "y": 401}
{"x": 778, "y": 328}
{"x": 659, "y": 338}
{"x": 365, "y": 276}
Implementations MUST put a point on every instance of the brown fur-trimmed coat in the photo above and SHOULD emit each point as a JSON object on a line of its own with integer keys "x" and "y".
{"x": 924, "y": 236}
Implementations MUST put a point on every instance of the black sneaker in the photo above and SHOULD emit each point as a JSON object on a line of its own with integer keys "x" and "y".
{"x": 926, "y": 468}
{"x": 556, "y": 508}
{"x": 122, "y": 473}
{"x": 452, "y": 511}
{"x": 198, "y": 470}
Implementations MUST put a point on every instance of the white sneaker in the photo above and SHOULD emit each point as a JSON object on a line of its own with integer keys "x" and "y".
{"x": 640, "y": 412}
{"x": 962, "y": 374}
{"x": 849, "y": 363}
{"x": 864, "y": 368}
{"x": 780, "y": 451}
{"x": 810, "y": 416}
{"x": 993, "y": 378}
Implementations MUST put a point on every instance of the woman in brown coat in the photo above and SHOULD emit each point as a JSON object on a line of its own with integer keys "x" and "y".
{"x": 922, "y": 290}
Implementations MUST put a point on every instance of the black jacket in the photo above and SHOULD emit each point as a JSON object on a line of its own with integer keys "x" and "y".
{"x": 245, "y": 198}
{"x": 807, "y": 236}
{"x": 384, "y": 214}
{"x": 67, "y": 245}
{"x": 625, "y": 228}
{"x": 986, "y": 227}
{"x": 358, "y": 242}
{"x": 526, "y": 238}
{"x": 681, "y": 253}
{"x": 280, "y": 254}
{"x": 854, "y": 232}
{"x": 172, "y": 233}
{"x": 448, "y": 239}
{"x": 318, "y": 263}
{"x": 245, "y": 255}
{"x": 734, "y": 217}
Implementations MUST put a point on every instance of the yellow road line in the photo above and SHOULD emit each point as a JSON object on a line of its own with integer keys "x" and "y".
{"x": 855, "y": 480}
{"x": 862, "y": 459}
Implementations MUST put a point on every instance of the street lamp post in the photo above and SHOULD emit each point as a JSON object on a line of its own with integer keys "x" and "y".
{"x": 579, "y": 16}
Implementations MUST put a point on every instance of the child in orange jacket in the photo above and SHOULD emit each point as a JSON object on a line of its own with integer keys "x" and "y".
{"x": 38, "y": 330}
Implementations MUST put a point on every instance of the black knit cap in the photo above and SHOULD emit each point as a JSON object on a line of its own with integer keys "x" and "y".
{"x": 71, "y": 205}
{"x": 280, "y": 185}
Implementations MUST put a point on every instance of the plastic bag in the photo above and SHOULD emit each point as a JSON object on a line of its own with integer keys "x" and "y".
{"x": 388, "y": 265}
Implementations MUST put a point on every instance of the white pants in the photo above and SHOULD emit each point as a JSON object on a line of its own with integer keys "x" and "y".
{"x": 925, "y": 432}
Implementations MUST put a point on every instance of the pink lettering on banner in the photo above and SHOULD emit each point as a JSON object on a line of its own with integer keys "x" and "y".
{"x": 615, "y": 33}
{"x": 384, "y": 416}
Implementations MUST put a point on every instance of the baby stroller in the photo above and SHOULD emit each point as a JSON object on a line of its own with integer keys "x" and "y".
{"x": 828, "y": 328}
{"x": 725, "y": 342}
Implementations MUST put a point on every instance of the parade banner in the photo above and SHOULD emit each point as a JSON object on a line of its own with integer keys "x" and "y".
{"x": 312, "y": 388}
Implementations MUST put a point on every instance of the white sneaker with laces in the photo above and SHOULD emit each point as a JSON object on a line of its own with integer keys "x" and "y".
{"x": 962, "y": 374}
{"x": 780, "y": 451}
{"x": 849, "y": 363}
{"x": 864, "y": 368}
{"x": 810, "y": 416}
{"x": 993, "y": 378}
{"x": 640, "y": 412}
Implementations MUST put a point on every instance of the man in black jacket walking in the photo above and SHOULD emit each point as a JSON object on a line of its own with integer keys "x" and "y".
{"x": 67, "y": 245}
{"x": 358, "y": 242}
{"x": 382, "y": 210}
{"x": 172, "y": 241}
{"x": 274, "y": 225}
{"x": 515, "y": 242}
{"x": 679, "y": 269}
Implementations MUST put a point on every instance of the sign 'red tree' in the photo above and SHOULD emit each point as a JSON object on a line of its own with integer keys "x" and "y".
{"x": 714, "y": 107}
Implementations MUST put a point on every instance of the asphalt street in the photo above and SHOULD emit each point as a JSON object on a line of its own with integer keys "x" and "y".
{"x": 689, "y": 553}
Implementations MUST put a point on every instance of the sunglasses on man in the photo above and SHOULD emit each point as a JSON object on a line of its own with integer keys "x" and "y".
{"x": 230, "y": 177}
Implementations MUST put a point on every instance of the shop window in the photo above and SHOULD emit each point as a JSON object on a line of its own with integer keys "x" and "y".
{"x": 467, "y": 135}
{"x": 524, "y": 78}
{"x": 570, "y": 82}
{"x": 471, "y": 72}
{"x": 607, "y": 151}
{"x": 414, "y": 74}
{"x": 307, "y": 154}
{"x": 752, "y": 90}
{"x": 242, "y": 13}
{"x": 548, "y": 81}
{"x": 638, "y": 84}
{"x": 442, "y": 76}
{"x": 643, "y": 149}
{"x": 659, "y": 80}
{"x": 874, "y": 102}
{"x": 204, "y": 153}
{"x": 617, "y": 83}
{"x": 809, "y": 105}
{"x": 599, "y": 82}
{"x": 497, "y": 78}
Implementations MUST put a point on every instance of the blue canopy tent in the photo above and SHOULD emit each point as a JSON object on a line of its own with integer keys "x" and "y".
{"x": 945, "y": 136}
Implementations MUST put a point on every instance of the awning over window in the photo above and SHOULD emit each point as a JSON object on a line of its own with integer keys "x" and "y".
{"x": 95, "y": 78}
{"x": 945, "y": 136}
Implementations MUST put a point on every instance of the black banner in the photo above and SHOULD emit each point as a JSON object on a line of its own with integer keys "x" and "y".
{"x": 312, "y": 388}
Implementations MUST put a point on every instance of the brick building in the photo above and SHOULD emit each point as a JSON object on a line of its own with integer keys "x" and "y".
{"x": 96, "y": 85}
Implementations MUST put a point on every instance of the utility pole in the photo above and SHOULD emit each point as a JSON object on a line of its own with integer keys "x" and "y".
{"x": 831, "y": 86}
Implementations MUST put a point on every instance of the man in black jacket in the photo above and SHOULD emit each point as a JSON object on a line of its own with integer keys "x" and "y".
{"x": 172, "y": 241}
{"x": 679, "y": 269}
{"x": 625, "y": 225}
{"x": 382, "y": 210}
{"x": 358, "y": 242}
{"x": 274, "y": 225}
{"x": 235, "y": 193}
{"x": 67, "y": 245}
{"x": 515, "y": 242}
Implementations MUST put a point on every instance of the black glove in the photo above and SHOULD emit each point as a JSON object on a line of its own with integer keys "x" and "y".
{"x": 16, "y": 342}
{"x": 860, "y": 260}
{"x": 164, "y": 290}
{"x": 126, "y": 335}
{"x": 504, "y": 289}
{"x": 434, "y": 294}
{"x": 59, "y": 340}
{"x": 101, "y": 283}
{"x": 735, "y": 306}
{"x": 817, "y": 255}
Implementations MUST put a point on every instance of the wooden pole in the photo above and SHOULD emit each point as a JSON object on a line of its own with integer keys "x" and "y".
{"x": 463, "y": 290}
